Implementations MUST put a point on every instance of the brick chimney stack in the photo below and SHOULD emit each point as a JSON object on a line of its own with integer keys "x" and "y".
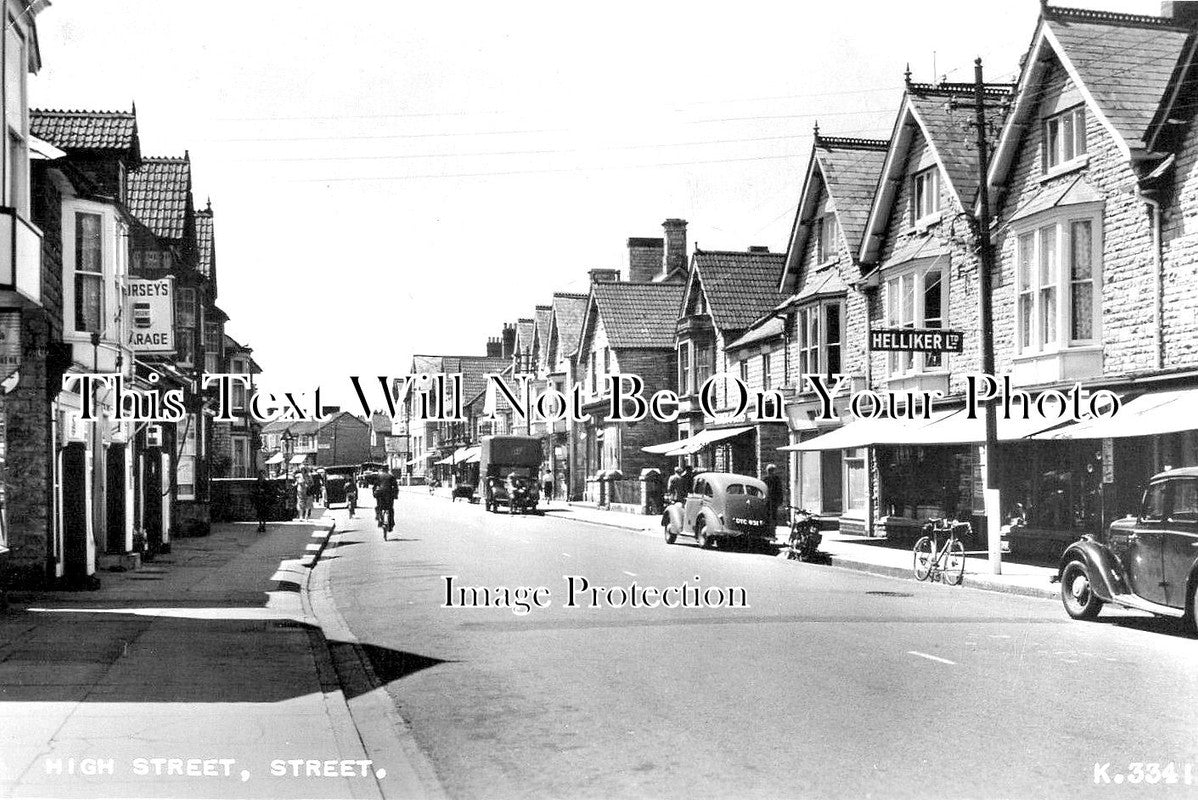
{"x": 494, "y": 347}
{"x": 644, "y": 259}
{"x": 604, "y": 275}
{"x": 675, "y": 251}
{"x": 1184, "y": 12}
{"x": 508, "y": 340}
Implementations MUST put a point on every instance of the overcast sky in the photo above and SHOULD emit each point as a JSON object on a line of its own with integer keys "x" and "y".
{"x": 392, "y": 178}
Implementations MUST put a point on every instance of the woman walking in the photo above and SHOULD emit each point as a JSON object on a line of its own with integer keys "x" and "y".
{"x": 303, "y": 493}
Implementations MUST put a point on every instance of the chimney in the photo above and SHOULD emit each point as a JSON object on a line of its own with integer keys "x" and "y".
{"x": 604, "y": 275}
{"x": 494, "y": 347}
{"x": 758, "y": 248}
{"x": 1185, "y": 13}
{"x": 675, "y": 255}
{"x": 508, "y": 342}
{"x": 644, "y": 259}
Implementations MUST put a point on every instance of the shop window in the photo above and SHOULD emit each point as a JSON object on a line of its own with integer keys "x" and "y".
{"x": 1056, "y": 278}
{"x": 855, "y": 486}
{"x": 1064, "y": 137}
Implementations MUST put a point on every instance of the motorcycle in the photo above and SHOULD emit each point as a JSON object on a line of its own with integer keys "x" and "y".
{"x": 805, "y": 537}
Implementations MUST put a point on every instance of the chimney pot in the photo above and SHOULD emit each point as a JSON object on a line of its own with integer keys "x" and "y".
{"x": 759, "y": 248}
{"x": 604, "y": 275}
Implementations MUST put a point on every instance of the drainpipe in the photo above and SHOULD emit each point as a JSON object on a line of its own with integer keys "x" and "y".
{"x": 1158, "y": 281}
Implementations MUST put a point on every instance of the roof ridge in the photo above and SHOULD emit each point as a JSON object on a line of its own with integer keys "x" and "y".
{"x": 952, "y": 89}
{"x": 165, "y": 159}
{"x": 1117, "y": 17}
{"x": 852, "y": 142}
{"x": 76, "y": 111}
{"x": 754, "y": 253}
{"x": 575, "y": 295}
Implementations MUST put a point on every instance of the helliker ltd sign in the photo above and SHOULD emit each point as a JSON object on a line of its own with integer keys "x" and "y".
{"x": 916, "y": 340}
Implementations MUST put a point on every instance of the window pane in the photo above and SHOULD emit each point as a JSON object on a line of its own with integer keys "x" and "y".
{"x": 1067, "y": 138}
{"x": 1025, "y": 321}
{"x": 1080, "y": 244}
{"x": 87, "y": 243}
{"x": 1048, "y": 256}
{"x": 907, "y": 318}
{"x": 1051, "y": 143}
{"x": 89, "y": 305}
{"x": 1079, "y": 130}
{"x": 933, "y": 311}
{"x": 1027, "y": 254}
{"x": 1082, "y": 324}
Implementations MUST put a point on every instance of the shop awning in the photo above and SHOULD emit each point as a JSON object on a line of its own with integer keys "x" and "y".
{"x": 301, "y": 458}
{"x": 277, "y": 458}
{"x": 474, "y": 455}
{"x": 1151, "y": 414}
{"x": 686, "y": 447}
{"x": 665, "y": 447}
{"x": 445, "y": 461}
{"x": 955, "y": 427}
{"x": 467, "y": 455}
{"x": 858, "y": 433}
{"x": 413, "y": 461}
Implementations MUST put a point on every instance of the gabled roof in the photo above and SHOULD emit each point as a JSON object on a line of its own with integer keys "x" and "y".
{"x": 848, "y": 170}
{"x": 205, "y": 242}
{"x": 941, "y": 114}
{"x": 541, "y": 320}
{"x": 739, "y": 286}
{"x": 160, "y": 195}
{"x": 1126, "y": 67}
{"x": 524, "y": 332}
{"x": 636, "y": 315}
{"x": 90, "y": 131}
{"x": 474, "y": 370}
{"x": 568, "y": 313}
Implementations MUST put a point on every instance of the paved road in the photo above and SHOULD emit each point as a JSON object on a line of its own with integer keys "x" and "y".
{"x": 831, "y": 684}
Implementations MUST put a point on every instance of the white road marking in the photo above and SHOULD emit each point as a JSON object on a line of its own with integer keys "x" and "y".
{"x": 626, "y": 572}
{"x": 932, "y": 658}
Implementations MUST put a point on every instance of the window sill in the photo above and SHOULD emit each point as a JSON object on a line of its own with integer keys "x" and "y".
{"x": 906, "y": 376}
{"x": 1056, "y": 351}
{"x": 1073, "y": 165}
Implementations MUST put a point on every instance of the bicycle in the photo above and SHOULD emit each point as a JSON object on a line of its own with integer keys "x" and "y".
{"x": 384, "y": 516}
{"x": 947, "y": 563}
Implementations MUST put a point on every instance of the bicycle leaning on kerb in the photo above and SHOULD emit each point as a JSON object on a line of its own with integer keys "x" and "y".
{"x": 934, "y": 562}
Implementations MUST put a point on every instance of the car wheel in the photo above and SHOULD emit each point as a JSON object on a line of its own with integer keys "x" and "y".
{"x": 670, "y": 537}
{"x": 701, "y": 537}
{"x": 1077, "y": 594}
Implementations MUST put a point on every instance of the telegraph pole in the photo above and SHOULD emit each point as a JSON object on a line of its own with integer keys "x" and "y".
{"x": 991, "y": 496}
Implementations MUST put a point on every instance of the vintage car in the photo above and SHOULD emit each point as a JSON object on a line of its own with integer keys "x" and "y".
{"x": 722, "y": 508}
{"x": 335, "y": 480}
{"x": 1147, "y": 562}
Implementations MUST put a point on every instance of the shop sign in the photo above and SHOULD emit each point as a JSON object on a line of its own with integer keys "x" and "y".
{"x": 1108, "y": 460}
{"x": 150, "y": 310}
{"x": 10, "y": 342}
{"x": 916, "y": 340}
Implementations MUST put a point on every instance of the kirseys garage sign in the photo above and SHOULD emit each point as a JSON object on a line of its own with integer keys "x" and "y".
{"x": 916, "y": 340}
{"x": 150, "y": 314}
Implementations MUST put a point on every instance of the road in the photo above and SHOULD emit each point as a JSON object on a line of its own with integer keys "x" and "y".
{"x": 832, "y": 683}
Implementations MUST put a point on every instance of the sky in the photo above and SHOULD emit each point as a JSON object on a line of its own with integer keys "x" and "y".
{"x": 391, "y": 178}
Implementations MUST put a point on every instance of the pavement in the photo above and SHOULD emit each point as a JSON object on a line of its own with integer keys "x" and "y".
{"x": 205, "y": 673}
{"x": 862, "y": 553}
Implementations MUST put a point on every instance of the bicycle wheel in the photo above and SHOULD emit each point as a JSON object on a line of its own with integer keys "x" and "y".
{"x": 925, "y": 554}
{"x": 954, "y": 566}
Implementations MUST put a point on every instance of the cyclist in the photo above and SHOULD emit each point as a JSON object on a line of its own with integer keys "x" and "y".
{"x": 351, "y": 495}
{"x": 385, "y": 491}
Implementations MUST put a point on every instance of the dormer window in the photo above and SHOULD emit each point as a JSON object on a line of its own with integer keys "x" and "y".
{"x": 1064, "y": 137}
{"x": 925, "y": 194}
{"x": 825, "y": 238}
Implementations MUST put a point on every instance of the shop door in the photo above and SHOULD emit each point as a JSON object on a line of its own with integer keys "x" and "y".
{"x": 152, "y": 487}
{"x": 115, "y": 481}
{"x": 74, "y": 510}
{"x": 832, "y": 480}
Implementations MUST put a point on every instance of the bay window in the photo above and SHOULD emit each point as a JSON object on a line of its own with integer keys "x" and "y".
{"x": 89, "y": 273}
{"x": 704, "y": 364}
{"x": 916, "y": 299}
{"x": 684, "y": 369}
{"x": 821, "y": 337}
{"x": 1056, "y": 284}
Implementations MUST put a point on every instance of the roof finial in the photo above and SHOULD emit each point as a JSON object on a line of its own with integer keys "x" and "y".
{"x": 907, "y": 76}
{"x": 134, "y": 104}
{"x": 815, "y": 132}
{"x": 209, "y": 202}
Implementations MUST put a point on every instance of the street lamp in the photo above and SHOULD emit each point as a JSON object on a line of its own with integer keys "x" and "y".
{"x": 286, "y": 439}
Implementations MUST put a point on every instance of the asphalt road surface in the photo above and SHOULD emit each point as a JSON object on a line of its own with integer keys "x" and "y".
{"x": 831, "y": 683}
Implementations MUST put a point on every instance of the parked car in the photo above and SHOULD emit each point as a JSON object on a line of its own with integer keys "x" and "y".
{"x": 722, "y": 508}
{"x": 1147, "y": 562}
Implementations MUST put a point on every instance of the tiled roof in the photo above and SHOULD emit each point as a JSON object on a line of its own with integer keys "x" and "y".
{"x": 1125, "y": 61}
{"x": 158, "y": 195}
{"x": 85, "y": 130}
{"x": 640, "y": 315}
{"x": 205, "y": 242}
{"x": 568, "y": 313}
{"x": 474, "y": 371}
{"x": 739, "y": 286}
{"x": 763, "y": 330}
{"x": 542, "y": 317}
{"x": 948, "y": 129}
{"x": 851, "y": 168}
{"x": 821, "y": 283}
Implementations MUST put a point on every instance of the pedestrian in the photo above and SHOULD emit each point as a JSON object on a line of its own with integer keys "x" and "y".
{"x": 547, "y": 484}
{"x": 262, "y": 496}
{"x": 303, "y": 497}
{"x": 675, "y": 485}
{"x": 688, "y": 479}
{"x": 773, "y": 495}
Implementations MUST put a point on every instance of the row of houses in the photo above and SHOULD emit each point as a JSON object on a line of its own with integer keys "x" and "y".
{"x": 106, "y": 266}
{"x": 1093, "y": 191}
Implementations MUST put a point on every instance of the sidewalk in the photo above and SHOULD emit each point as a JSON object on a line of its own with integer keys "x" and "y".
{"x": 208, "y": 653}
{"x": 850, "y": 552}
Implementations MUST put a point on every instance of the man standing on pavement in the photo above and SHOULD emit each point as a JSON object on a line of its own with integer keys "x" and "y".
{"x": 688, "y": 479}
{"x": 773, "y": 495}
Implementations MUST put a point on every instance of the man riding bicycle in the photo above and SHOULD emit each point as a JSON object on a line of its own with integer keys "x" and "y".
{"x": 385, "y": 490}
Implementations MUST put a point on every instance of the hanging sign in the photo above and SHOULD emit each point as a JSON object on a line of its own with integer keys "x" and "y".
{"x": 150, "y": 311}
